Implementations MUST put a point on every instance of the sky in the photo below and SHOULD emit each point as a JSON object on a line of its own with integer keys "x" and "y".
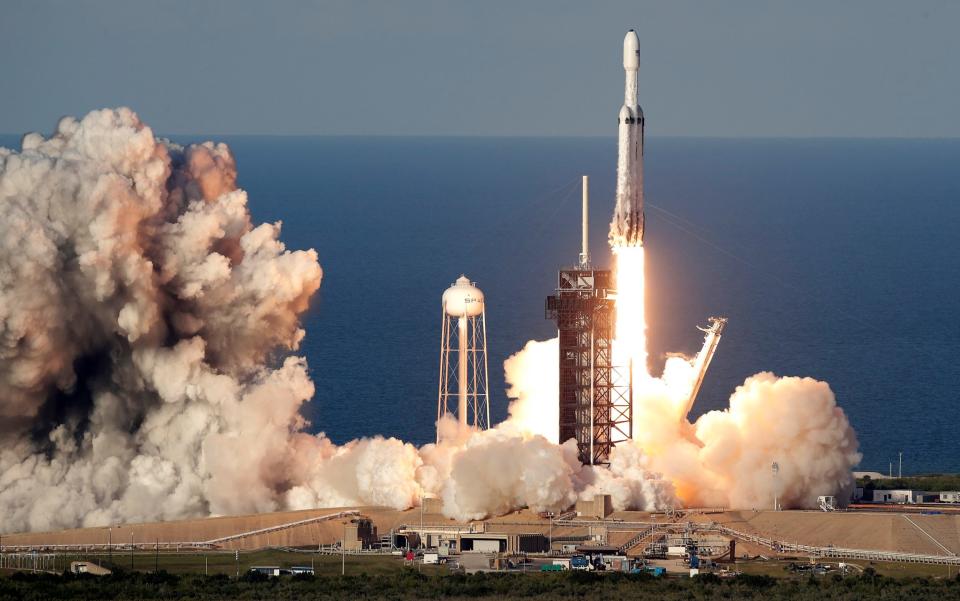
{"x": 763, "y": 68}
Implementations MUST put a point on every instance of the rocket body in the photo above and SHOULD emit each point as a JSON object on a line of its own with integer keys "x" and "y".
{"x": 627, "y": 226}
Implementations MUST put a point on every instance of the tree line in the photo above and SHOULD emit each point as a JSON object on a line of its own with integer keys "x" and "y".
{"x": 408, "y": 584}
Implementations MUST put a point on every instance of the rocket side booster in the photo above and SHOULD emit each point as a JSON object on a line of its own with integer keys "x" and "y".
{"x": 627, "y": 226}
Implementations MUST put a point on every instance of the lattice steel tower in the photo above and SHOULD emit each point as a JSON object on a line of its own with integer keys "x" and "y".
{"x": 595, "y": 409}
{"x": 463, "y": 389}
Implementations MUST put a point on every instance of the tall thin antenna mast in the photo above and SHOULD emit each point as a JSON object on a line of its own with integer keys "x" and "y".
{"x": 585, "y": 246}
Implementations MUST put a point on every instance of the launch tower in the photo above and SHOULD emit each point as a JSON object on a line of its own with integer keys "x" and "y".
{"x": 593, "y": 410}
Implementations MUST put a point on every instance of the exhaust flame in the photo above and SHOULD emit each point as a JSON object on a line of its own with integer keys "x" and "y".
{"x": 630, "y": 346}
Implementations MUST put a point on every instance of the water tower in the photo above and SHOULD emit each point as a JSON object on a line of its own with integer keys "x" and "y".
{"x": 463, "y": 390}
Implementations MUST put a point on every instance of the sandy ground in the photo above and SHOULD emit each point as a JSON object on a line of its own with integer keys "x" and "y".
{"x": 913, "y": 533}
{"x": 907, "y": 533}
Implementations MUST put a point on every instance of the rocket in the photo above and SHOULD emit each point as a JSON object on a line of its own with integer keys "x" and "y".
{"x": 627, "y": 226}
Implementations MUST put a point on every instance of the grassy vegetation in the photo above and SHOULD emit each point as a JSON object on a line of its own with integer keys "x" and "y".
{"x": 227, "y": 564}
{"x": 910, "y": 570}
{"x": 778, "y": 568}
{"x": 407, "y": 583}
{"x": 934, "y": 482}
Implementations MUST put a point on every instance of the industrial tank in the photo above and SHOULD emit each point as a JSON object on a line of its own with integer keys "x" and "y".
{"x": 463, "y": 299}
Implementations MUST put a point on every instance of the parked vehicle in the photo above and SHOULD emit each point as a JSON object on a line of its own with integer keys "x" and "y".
{"x": 655, "y": 570}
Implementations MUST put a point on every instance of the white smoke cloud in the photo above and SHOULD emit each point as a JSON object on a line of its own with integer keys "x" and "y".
{"x": 793, "y": 421}
{"x": 140, "y": 314}
{"x": 533, "y": 379}
{"x": 631, "y": 482}
{"x": 724, "y": 459}
{"x": 138, "y": 308}
{"x": 496, "y": 472}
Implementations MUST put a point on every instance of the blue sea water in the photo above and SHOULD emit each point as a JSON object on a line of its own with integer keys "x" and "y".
{"x": 836, "y": 259}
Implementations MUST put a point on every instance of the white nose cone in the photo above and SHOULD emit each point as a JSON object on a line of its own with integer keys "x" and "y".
{"x": 463, "y": 299}
{"x": 631, "y": 51}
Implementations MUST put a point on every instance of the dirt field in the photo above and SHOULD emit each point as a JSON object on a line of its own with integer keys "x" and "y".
{"x": 203, "y": 529}
{"x": 908, "y": 533}
{"x": 927, "y": 534}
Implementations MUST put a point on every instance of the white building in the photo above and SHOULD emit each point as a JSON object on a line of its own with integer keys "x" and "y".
{"x": 950, "y": 496}
{"x": 904, "y": 496}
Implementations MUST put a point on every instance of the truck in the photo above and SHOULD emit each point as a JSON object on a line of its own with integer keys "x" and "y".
{"x": 579, "y": 562}
{"x": 654, "y": 570}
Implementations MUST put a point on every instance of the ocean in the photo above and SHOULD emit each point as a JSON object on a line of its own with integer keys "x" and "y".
{"x": 832, "y": 258}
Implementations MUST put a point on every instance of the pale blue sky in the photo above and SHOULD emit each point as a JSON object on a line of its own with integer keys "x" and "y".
{"x": 738, "y": 68}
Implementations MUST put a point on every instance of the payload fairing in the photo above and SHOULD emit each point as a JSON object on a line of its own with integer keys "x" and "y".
{"x": 627, "y": 226}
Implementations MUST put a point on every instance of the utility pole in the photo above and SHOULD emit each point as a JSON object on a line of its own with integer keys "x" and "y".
{"x": 156, "y": 558}
{"x": 900, "y": 466}
{"x": 550, "y": 547}
{"x": 131, "y": 550}
{"x": 420, "y": 565}
{"x": 110, "y": 545}
{"x": 343, "y": 552}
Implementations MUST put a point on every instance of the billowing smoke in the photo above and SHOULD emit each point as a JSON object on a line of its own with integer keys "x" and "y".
{"x": 143, "y": 324}
{"x": 724, "y": 458}
{"x": 533, "y": 377}
{"x": 147, "y": 370}
{"x": 139, "y": 312}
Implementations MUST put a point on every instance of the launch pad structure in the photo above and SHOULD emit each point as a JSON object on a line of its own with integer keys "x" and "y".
{"x": 595, "y": 408}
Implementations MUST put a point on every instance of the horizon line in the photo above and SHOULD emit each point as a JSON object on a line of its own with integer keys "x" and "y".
{"x": 532, "y": 136}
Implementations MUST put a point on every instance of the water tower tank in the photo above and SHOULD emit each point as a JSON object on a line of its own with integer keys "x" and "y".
{"x": 463, "y": 299}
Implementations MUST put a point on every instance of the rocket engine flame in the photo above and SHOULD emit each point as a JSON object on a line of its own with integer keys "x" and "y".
{"x": 630, "y": 345}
